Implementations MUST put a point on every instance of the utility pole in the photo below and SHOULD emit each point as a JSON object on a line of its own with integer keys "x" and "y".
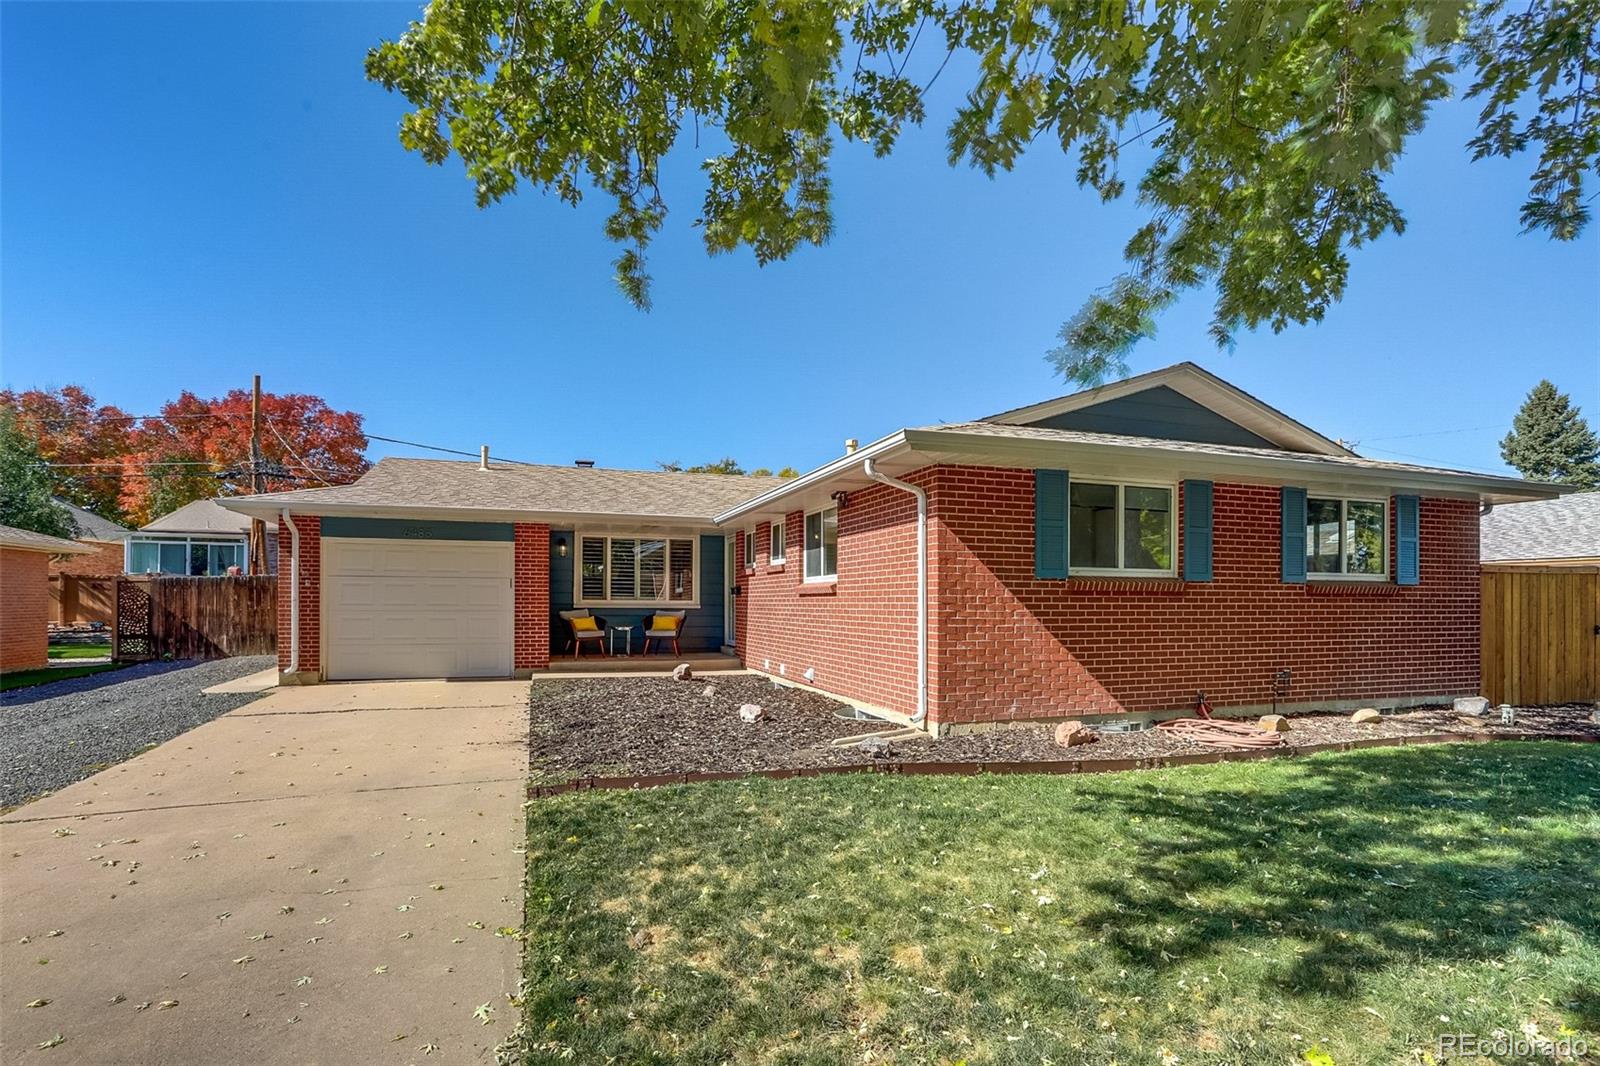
{"x": 258, "y": 482}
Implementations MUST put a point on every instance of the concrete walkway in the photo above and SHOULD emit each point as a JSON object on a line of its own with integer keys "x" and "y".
{"x": 316, "y": 877}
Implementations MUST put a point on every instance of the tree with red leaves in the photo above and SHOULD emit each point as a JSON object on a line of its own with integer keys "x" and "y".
{"x": 83, "y": 441}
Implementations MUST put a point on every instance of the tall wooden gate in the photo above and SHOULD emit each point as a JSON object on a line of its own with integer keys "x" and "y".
{"x": 195, "y": 617}
{"x": 1541, "y": 633}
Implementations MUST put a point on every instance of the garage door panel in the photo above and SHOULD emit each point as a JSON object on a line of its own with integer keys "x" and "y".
{"x": 417, "y": 609}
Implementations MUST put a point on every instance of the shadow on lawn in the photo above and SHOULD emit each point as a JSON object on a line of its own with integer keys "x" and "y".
{"x": 1385, "y": 860}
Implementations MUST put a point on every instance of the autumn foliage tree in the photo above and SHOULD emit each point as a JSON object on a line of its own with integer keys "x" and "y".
{"x": 139, "y": 469}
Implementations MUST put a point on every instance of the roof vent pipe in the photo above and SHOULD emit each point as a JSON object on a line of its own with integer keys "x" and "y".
{"x": 483, "y": 457}
{"x": 851, "y": 445}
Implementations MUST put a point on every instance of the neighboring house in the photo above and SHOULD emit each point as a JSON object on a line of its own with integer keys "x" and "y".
{"x": 1113, "y": 552}
{"x": 25, "y": 595}
{"x": 105, "y": 537}
{"x": 1562, "y": 532}
{"x": 200, "y": 539}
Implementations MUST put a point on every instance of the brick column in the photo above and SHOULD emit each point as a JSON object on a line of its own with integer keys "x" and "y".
{"x": 531, "y": 582}
{"x": 310, "y": 527}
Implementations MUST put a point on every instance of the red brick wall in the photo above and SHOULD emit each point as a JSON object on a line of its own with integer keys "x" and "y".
{"x": 310, "y": 592}
{"x": 531, "y": 566}
{"x": 24, "y": 609}
{"x": 105, "y": 562}
{"x": 859, "y": 633}
{"x": 1014, "y": 647}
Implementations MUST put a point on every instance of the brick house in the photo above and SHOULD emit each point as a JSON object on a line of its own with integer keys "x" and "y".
{"x": 1109, "y": 553}
{"x": 83, "y": 587}
{"x": 25, "y": 595}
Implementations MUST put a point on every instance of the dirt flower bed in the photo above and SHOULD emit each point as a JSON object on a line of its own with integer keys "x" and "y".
{"x": 626, "y": 726}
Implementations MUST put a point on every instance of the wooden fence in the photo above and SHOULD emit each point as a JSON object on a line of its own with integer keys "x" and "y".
{"x": 195, "y": 617}
{"x": 1541, "y": 634}
{"x": 75, "y": 600}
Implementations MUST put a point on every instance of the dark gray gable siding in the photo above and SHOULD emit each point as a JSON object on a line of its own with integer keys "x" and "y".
{"x": 1160, "y": 412}
{"x": 702, "y": 627}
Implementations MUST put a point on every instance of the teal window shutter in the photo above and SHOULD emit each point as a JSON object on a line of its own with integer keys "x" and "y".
{"x": 1294, "y": 535}
{"x": 1197, "y": 531}
{"x": 1050, "y": 523}
{"x": 1407, "y": 569}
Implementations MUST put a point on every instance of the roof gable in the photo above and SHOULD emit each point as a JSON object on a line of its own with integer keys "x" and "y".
{"x": 91, "y": 526}
{"x": 1181, "y": 402}
{"x": 200, "y": 516}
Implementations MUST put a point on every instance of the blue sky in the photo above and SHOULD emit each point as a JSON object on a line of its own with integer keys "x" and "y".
{"x": 196, "y": 192}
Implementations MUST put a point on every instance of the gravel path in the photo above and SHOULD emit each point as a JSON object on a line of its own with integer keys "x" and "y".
{"x": 52, "y": 735}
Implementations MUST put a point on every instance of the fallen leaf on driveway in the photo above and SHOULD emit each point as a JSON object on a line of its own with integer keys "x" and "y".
{"x": 166, "y": 1004}
{"x": 54, "y": 1041}
{"x": 313, "y": 940}
{"x": 429, "y": 1049}
{"x": 63, "y": 832}
{"x": 404, "y": 936}
{"x": 286, "y": 909}
{"x": 474, "y": 925}
{"x": 56, "y": 932}
{"x": 40, "y": 1003}
{"x": 380, "y": 969}
{"x": 143, "y": 1006}
{"x": 243, "y": 959}
{"x": 484, "y": 1014}
{"x": 118, "y": 998}
{"x": 301, "y": 981}
{"x": 437, "y": 888}
{"x": 262, "y": 936}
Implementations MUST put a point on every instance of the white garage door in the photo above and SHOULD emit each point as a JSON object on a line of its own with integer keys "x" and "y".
{"x": 396, "y": 608}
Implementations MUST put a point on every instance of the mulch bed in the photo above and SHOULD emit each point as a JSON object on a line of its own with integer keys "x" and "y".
{"x": 618, "y": 727}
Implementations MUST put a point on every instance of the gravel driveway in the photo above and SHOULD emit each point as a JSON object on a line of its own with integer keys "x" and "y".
{"x": 52, "y": 735}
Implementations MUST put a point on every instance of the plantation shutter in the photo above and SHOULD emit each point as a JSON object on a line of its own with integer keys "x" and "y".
{"x": 1294, "y": 535}
{"x": 1407, "y": 558}
{"x": 1050, "y": 523}
{"x": 1197, "y": 530}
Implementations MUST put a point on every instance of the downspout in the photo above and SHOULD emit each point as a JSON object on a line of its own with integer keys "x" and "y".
{"x": 922, "y": 582}
{"x": 294, "y": 593}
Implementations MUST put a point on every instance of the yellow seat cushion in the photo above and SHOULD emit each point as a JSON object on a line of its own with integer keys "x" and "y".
{"x": 585, "y": 625}
{"x": 664, "y": 621}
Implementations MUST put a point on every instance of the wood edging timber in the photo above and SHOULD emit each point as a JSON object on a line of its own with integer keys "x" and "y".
{"x": 1039, "y": 766}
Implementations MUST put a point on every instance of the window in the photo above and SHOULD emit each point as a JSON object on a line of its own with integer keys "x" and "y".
{"x": 637, "y": 569}
{"x": 775, "y": 549}
{"x": 1347, "y": 538}
{"x": 749, "y": 549}
{"x": 822, "y": 545}
{"x": 185, "y": 557}
{"x": 1119, "y": 528}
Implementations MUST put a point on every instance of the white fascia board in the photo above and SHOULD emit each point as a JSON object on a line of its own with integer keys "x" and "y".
{"x": 266, "y": 507}
{"x": 785, "y": 497}
{"x": 1292, "y": 468}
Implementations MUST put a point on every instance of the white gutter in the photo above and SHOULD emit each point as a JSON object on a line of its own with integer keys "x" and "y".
{"x": 922, "y": 582}
{"x": 294, "y": 593}
{"x": 815, "y": 477}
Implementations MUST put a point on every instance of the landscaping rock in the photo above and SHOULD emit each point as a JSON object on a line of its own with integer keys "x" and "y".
{"x": 877, "y": 747}
{"x": 1366, "y": 716}
{"x": 1274, "y": 723}
{"x": 751, "y": 712}
{"x": 1471, "y": 705}
{"x": 710, "y": 692}
{"x": 682, "y": 672}
{"x": 1072, "y": 734}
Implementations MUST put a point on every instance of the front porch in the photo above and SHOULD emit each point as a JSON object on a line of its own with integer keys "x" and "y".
{"x": 699, "y": 662}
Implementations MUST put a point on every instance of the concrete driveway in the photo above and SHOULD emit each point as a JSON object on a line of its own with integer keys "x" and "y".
{"x": 316, "y": 877}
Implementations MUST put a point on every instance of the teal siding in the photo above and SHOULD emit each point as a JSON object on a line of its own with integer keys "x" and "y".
{"x": 406, "y": 529}
{"x": 1407, "y": 556}
{"x": 1050, "y": 524}
{"x": 1197, "y": 530}
{"x": 1294, "y": 535}
{"x": 1160, "y": 412}
{"x": 702, "y": 627}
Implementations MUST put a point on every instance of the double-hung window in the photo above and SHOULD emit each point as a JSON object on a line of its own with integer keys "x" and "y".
{"x": 637, "y": 569}
{"x": 775, "y": 547}
{"x": 822, "y": 545}
{"x": 1347, "y": 538}
{"x": 1119, "y": 528}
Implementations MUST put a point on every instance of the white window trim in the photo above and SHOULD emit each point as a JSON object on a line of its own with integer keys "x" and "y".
{"x": 580, "y": 600}
{"x": 1121, "y": 483}
{"x": 188, "y": 547}
{"x": 776, "y": 534}
{"x": 820, "y": 579}
{"x": 749, "y": 549}
{"x": 1344, "y": 510}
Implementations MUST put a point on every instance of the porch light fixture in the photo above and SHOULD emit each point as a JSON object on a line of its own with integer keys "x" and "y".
{"x": 561, "y": 547}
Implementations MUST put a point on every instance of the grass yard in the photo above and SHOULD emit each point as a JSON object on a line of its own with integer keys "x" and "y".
{"x": 1351, "y": 906}
{"x": 80, "y": 651}
{"x": 29, "y": 678}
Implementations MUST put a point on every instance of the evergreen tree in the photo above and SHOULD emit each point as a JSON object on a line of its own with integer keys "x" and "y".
{"x": 25, "y": 485}
{"x": 1551, "y": 441}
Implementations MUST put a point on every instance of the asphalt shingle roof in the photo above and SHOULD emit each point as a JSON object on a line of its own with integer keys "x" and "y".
{"x": 28, "y": 540}
{"x": 504, "y": 486}
{"x": 91, "y": 526}
{"x": 1567, "y": 528}
{"x": 200, "y": 516}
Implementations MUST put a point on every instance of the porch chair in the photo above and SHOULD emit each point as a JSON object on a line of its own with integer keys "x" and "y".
{"x": 663, "y": 626}
{"x": 583, "y": 626}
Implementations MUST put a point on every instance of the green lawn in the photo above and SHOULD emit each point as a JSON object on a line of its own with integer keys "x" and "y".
{"x": 80, "y": 651}
{"x": 1333, "y": 905}
{"x": 28, "y": 678}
